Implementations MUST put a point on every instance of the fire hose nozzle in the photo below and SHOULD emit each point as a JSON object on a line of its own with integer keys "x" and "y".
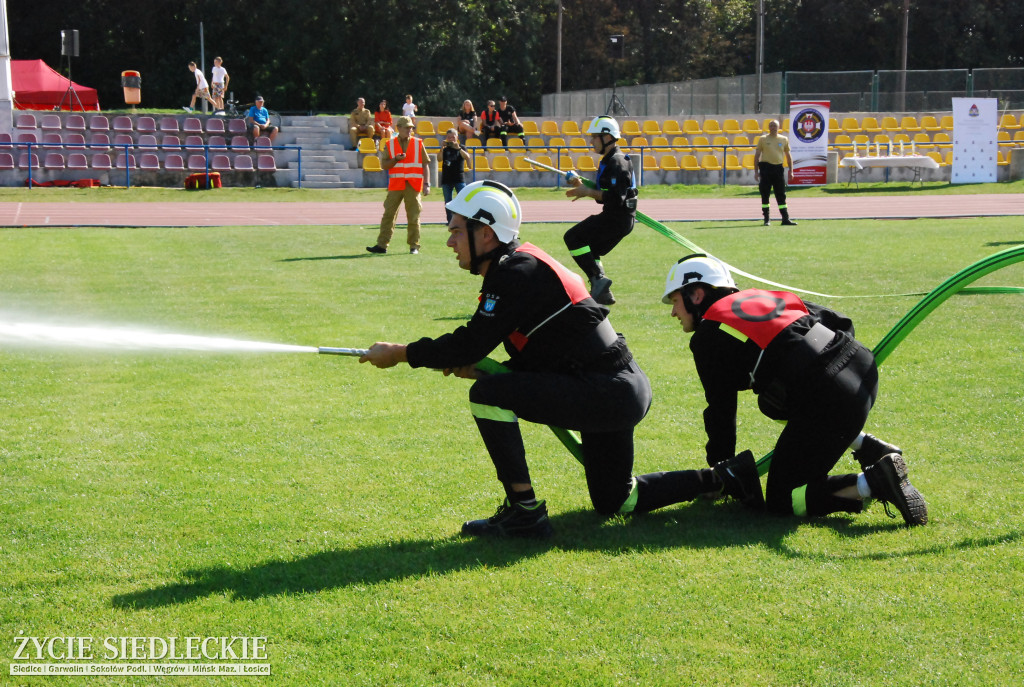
{"x": 355, "y": 352}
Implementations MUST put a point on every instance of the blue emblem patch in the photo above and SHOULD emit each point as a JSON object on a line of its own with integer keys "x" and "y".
{"x": 489, "y": 305}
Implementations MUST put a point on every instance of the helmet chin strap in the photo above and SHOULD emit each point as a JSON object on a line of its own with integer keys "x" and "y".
{"x": 605, "y": 144}
{"x": 476, "y": 260}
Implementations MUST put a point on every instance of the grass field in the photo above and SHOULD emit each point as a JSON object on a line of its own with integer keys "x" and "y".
{"x": 317, "y": 502}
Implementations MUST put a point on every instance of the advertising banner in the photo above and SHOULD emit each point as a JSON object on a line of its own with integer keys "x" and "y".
{"x": 808, "y": 141}
{"x": 975, "y": 146}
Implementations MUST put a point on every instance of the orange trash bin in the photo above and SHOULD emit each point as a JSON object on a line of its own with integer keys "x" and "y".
{"x": 131, "y": 81}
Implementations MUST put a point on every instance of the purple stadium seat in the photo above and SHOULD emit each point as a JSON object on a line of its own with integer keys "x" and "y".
{"x": 78, "y": 161}
{"x": 53, "y": 161}
{"x": 174, "y": 163}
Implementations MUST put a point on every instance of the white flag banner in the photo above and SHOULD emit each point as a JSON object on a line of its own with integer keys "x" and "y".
{"x": 975, "y": 146}
{"x": 808, "y": 141}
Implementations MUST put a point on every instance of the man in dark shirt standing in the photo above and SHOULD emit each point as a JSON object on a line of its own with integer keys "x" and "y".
{"x": 567, "y": 367}
{"x": 616, "y": 191}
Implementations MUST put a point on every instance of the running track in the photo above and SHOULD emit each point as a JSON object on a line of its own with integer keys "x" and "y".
{"x": 212, "y": 214}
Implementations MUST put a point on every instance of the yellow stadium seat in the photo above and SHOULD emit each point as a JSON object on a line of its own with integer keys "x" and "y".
{"x": 752, "y": 127}
{"x": 578, "y": 142}
{"x": 890, "y": 124}
{"x": 700, "y": 144}
{"x": 473, "y": 142}
{"x": 556, "y": 142}
{"x": 681, "y": 143}
{"x": 444, "y": 125}
{"x": 1008, "y": 121}
{"x": 732, "y": 163}
{"x": 922, "y": 139}
{"x": 1018, "y": 137}
{"x": 748, "y": 161}
{"x": 630, "y": 128}
{"x": 732, "y": 127}
{"x": 671, "y": 128}
{"x": 571, "y": 128}
{"x": 942, "y": 140}
{"x": 741, "y": 141}
{"x": 639, "y": 142}
{"x": 669, "y": 163}
{"x": 711, "y": 163}
{"x": 480, "y": 163}
{"x": 651, "y": 128}
{"x": 1003, "y": 137}
{"x": 937, "y": 156}
{"x": 1003, "y": 159}
{"x": 548, "y": 128}
{"x": 536, "y": 144}
{"x": 689, "y": 163}
{"x": 929, "y": 123}
{"x": 869, "y": 125}
{"x": 901, "y": 138}
{"x": 650, "y": 164}
{"x": 712, "y": 127}
{"x": 501, "y": 164}
{"x": 586, "y": 163}
{"x": 565, "y": 162}
{"x": 367, "y": 146}
{"x": 515, "y": 142}
{"x": 371, "y": 163}
{"x": 691, "y": 127}
{"x": 910, "y": 125}
{"x": 946, "y": 122}
{"x": 544, "y": 160}
{"x": 834, "y": 127}
{"x": 520, "y": 164}
{"x": 720, "y": 141}
{"x": 493, "y": 142}
{"x": 851, "y": 125}
{"x": 425, "y": 127}
{"x": 659, "y": 142}
{"x": 530, "y": 127}
{"x": 843, "y": 142}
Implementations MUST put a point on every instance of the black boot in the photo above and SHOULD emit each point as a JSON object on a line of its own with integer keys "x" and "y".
{"x": 786, "y": 221}
{"x": 739, "y": 475}
{"x": 767, "y": 220}
{"x": 872, "y": 449}
{"x": 888, "y": 482}
{"x": 512, "y": 520}
{"x": 600, "y": 285}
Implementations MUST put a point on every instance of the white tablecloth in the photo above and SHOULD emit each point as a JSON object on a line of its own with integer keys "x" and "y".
{"x": 919, "y": 161}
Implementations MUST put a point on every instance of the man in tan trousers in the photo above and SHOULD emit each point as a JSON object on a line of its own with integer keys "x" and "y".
{"x": 405, "y": 159}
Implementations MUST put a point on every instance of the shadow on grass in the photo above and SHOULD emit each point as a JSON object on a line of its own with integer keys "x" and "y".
{"x": 698, "y": 525}
{"x": 1005, "y": 243}
{"x": 888, "y": 187}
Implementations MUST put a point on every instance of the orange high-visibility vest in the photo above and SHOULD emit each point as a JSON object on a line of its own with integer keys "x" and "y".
{"x": 409, "y": 170}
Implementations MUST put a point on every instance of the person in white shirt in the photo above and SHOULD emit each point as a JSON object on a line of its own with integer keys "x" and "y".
{"x": 409, "y": 108}
{"x": 202, "y": 88}
{"x": 220, "y": 78}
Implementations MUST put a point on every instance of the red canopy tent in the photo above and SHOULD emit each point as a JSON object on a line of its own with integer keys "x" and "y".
{"x": 38, "y": 87}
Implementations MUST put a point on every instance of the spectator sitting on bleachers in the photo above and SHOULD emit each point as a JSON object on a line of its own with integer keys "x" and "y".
{"x": 467, "y": 121}
{"x": 490, "y": 123}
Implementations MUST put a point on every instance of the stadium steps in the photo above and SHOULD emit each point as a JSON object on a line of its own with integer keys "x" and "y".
{"x": 326, "y": 161}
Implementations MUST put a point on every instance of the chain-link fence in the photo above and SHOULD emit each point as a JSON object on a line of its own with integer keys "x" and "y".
{"x": 853, "y": 91}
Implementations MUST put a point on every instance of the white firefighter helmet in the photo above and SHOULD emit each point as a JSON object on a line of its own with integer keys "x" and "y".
{"x": 492, "y": 203}
{"x": 698, "y": 268}
{"x": 604, "y": 125}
